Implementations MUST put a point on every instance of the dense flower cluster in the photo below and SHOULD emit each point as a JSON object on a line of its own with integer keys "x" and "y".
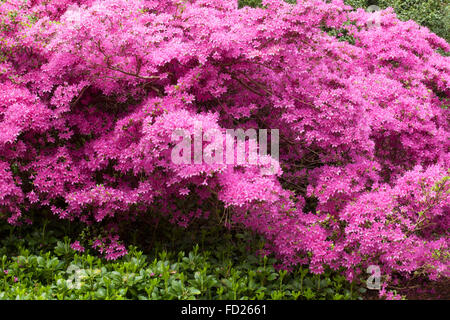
{"x": 91, "y": 92}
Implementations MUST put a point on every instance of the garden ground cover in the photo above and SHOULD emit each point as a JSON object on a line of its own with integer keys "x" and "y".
{"x": 38, "y": 262}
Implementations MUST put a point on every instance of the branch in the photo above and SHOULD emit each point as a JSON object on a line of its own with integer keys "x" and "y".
{"x": 79, "y": 96}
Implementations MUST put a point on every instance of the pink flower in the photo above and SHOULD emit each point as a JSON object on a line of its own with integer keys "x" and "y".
{"x": 77, "y": 246}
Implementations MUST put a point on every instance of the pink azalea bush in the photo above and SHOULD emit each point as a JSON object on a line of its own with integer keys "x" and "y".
{"x": 91, "y": 92}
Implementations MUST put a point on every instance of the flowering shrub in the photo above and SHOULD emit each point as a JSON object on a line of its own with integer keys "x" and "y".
{"x": 433, "y": 14}
{"x": 91, "y": 92}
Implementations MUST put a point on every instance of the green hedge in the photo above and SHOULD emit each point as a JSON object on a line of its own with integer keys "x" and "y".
{"x": 37, "y": 262}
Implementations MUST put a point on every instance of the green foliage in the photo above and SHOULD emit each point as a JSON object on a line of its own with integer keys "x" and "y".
{"x": 250, "y": 3}
{"x": 225, "y": 271}
{"x": 257, "y": 3}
